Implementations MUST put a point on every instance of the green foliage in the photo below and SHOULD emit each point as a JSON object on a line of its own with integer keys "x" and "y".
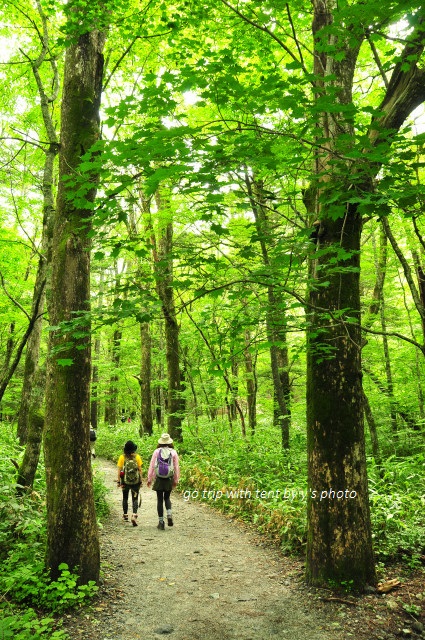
{"x": 25, "y": 624}
{"x": 397, "y": 508}
{"x": 100, "y": 492}
{"x": 412, "y": 609}
{"x": 252, "y": 479}
{"x": 24, "y": 581}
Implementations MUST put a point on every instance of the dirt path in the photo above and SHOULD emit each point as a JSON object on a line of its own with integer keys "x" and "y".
{"x": 207, "y": 577}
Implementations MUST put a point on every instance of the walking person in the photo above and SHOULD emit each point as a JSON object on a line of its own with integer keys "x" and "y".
{"x": 163, "y": 476}
{"x": 130, "y": 479}
{"x": 93, "y": 438}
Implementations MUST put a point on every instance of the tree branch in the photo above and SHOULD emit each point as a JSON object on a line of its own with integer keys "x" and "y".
{"x": 406, "y": 89}
{"x": 406, "y": 269}
{"x": 268, "y": 32}
{"x": 34, "y": 317}
{"x": 12, "y": 299}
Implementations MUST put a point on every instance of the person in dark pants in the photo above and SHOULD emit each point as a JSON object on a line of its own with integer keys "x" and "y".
{"x": 130, "y": 479}
{"x": 163, "y": 476}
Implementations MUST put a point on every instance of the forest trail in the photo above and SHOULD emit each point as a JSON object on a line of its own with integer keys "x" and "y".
{"x": 207, "y": 577}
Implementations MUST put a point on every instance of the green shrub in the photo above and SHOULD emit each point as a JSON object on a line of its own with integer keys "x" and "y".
{"x": 24, "y": 624}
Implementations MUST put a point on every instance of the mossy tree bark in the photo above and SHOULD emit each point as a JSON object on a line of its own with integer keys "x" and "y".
{"x": 339, "y": 546}
{"x": 29, "y": 464}
{"x": 72, "y": 535}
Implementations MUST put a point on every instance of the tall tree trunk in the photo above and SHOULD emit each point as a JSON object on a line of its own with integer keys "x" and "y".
{"x": 34, "y": 340}
{"x": 276, "y": 333}
{"x": 72, "y": 533}
{"x": 376, "y": 451}
{"x": 339, "y": 543}
{"x": 251, "y": 384}
{"x": 111, "y": 405}
{"x": 163, "y": 263}
{"x": 145, "y": 379}
{"x": 235, "y": 388}
{"x": 33, "y": 345}
{"x": 94, "y": 401}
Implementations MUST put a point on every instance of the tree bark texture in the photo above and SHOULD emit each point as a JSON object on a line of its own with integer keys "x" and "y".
{"x": 72, "y": 535}
{"x": 33, "y": 345}
{"x": 34, "y": 340}
{"x": 146, "y": 378}
{"x": 29, "y": 464}
{"x": 339, "y": 543}
{"x": 251, "y": 384}
{"x": 339, "y": 546}
{"x": 275, "y": 317}
{"x": 111, "y": 403}
{"x": 163, "y": 263}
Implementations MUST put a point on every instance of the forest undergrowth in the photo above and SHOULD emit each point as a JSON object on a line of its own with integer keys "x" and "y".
{"x": 251, "y": 479}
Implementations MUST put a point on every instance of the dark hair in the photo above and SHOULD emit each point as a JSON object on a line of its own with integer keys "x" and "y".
{"x": 130, "y": 447}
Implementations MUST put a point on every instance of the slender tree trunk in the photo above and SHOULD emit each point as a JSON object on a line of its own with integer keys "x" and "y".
{"x": 35, "y": 424}
{"x": 160, "y": 398}
{"x": 11, "y": 364}
{"x": 235, "y": 386}
{"x": 94, "y": 401}
{"x": 251, "y": 385}
{"x": 111, "y": 406}
{"x": 145, "y": 379}
{"x": 72, "y": 533}
{"x": 276, "y": 334}
{"x": 163, "y": 264}
{"x": 376, "y": 451}
{"x": 34, "y": 340}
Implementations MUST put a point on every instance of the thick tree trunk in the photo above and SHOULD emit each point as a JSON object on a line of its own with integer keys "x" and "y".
{"x": 72, "y": 534}
{"x": 339, "y": 545}
{"x": 339, "y": 534}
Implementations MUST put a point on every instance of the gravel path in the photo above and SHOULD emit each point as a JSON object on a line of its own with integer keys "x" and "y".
{"x": 205, "y": 578}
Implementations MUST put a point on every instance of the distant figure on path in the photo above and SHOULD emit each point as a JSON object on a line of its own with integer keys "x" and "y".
{"x": 130, "y": 479}
{"x": 93, "y": 438}
{"x": 164, "y": 473}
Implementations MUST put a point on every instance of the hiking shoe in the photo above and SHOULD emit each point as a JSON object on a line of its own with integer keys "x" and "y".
{"x": 170, "y": 521}
{"x": 161, "y": 525}
{"x": 134, "y": 519}
{"x": 125, "y": 517}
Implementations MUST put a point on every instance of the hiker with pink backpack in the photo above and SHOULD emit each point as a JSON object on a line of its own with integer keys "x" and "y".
{"x": 163, "y": 476}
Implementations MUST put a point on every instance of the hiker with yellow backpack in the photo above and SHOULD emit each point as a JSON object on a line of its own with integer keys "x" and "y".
{"x": 130, "y": 479}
